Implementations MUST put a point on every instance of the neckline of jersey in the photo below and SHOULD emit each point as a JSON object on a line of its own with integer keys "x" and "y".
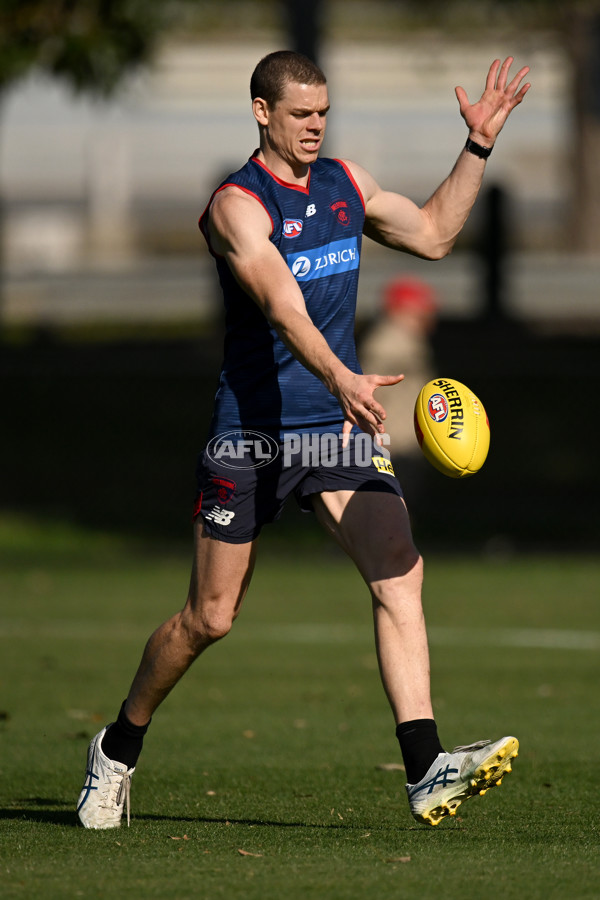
{"x": 285, "y": 184}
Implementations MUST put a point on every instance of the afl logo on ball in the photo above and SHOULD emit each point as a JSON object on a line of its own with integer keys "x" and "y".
{"x": 437, "y": 407}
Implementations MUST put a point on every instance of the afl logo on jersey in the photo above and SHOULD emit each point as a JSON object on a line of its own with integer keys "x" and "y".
{"x": 341, "y": 212}
{"x": 292, "y": 227}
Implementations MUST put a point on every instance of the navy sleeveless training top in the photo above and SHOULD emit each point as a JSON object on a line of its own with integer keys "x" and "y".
{"x": 318, "y": 231}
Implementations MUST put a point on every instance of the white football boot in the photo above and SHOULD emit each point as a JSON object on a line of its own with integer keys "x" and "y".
{"x": 454, "y": 777}
{"x": 106, "y": 789}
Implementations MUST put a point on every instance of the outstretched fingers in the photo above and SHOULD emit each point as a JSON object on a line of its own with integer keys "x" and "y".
{"x": 503, "y": 74}
{"x": 486, "y": 117}
{"x": 513, "y": 87}
{"x": 374, "y": 408}
{"x": 362, "y": 409}
{"x": 498, "y": 80}
{"x": 490, "y": 82}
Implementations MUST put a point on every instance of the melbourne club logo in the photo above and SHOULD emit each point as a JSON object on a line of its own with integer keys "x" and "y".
{"x": 292, "y": 227}
{"x": 225, "y": 489}
{"x": 341, "y": 212}
{"x": 437, "y": 407}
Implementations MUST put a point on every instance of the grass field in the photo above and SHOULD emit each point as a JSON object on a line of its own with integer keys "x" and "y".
{"x": 266, "y": 773}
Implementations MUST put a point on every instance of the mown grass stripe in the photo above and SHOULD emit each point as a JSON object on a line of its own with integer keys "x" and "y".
{"x": 313, "y": 633}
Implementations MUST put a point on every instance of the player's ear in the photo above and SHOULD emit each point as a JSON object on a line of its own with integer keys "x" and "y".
{"x": 260, "y": 108}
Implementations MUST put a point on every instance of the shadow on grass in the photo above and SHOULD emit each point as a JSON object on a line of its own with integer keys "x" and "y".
{"x": 27, "y": 810}
{"x": 265, "y": 823}
{"x": 68, "y": 816}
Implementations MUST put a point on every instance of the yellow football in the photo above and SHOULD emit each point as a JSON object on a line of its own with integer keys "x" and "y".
{"x": 452, "y": 427}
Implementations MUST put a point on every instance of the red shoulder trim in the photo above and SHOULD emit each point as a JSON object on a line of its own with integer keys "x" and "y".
{"x": 353, "y": 180}
{"x": 203, "y": 220}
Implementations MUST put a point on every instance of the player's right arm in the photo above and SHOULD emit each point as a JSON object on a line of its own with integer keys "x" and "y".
{"x": 239, "y": 229}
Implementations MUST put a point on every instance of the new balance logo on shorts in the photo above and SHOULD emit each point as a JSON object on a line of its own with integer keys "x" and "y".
{"x": 220, "y": 516}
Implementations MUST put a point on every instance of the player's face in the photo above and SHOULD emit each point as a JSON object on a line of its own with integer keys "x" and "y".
{"x": 295, "y": 126}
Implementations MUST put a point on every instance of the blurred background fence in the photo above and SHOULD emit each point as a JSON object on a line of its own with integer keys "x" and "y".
{"x": 111, "y": 324}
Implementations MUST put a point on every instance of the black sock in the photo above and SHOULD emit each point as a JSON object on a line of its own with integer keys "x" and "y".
{"x": 122, "y": 741}
{"x": 420, "y": 744}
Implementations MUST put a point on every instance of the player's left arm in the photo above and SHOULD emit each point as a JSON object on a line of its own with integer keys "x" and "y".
{"x": 431, "y": 230}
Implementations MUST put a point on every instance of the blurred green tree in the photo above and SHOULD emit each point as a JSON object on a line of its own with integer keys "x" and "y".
{"x": 91, "y": 44}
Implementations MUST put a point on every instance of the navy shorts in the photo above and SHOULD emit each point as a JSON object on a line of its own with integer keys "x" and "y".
{"x": 244, "y": 477}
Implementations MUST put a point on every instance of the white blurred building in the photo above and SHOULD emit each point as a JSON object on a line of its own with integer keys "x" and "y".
{"x": 91, "y": 187}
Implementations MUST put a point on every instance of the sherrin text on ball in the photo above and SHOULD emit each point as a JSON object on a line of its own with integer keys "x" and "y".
{"x": 452, "y": 427}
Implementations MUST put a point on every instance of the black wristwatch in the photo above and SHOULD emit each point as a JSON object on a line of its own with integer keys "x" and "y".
{"x": 477, "y": 149}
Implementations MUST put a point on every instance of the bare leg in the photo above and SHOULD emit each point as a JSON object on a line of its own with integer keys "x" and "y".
{"x": 221, "y": 574}
{"x": 373, "y": 528}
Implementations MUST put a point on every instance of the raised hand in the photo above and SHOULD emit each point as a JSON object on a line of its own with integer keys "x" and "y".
{"x": 486, "y": 117}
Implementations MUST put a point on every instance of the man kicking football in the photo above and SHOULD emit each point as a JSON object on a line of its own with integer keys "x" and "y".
{"x": 294, "y": 414}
